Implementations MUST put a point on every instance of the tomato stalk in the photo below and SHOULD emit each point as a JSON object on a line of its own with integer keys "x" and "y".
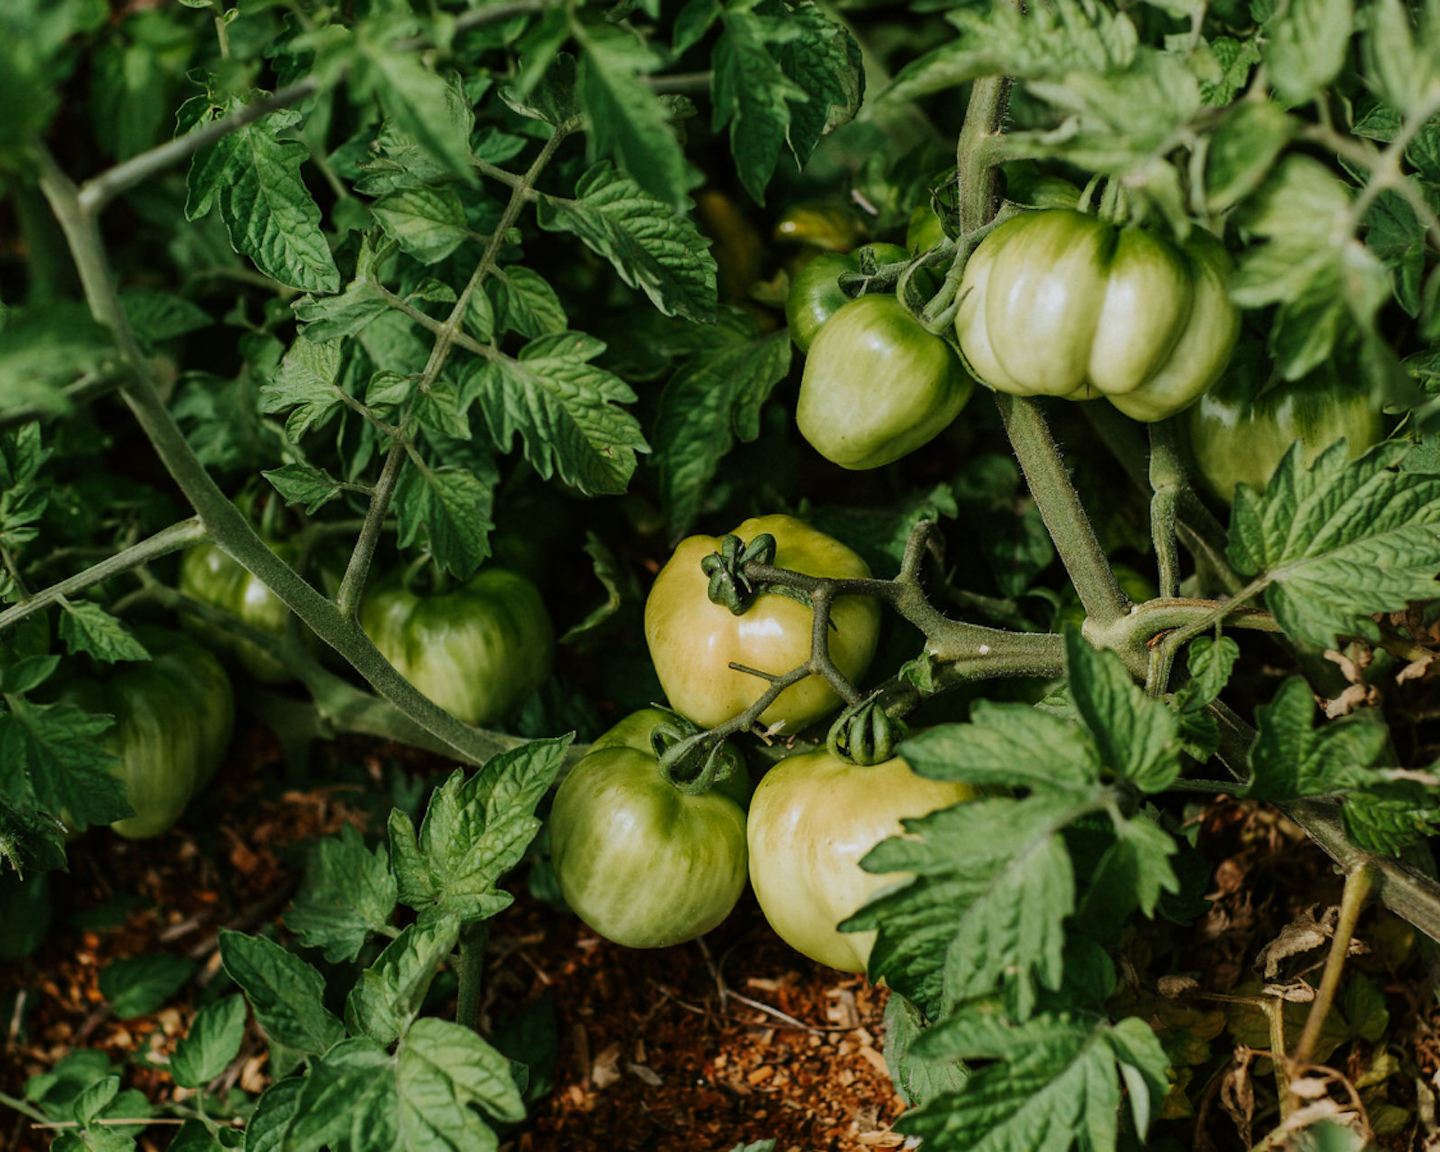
{"x": 472, "y": 973}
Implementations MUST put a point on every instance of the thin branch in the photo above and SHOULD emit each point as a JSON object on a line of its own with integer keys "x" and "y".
{"x": 89, "y": 387}
{"x": 163, "y": 543}
{"x": 1359, "y": 883}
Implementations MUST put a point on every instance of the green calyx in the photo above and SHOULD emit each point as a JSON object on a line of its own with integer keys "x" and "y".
{"x": 692, "y": 761}
{"x": 864, "y": 734}
{"x": 729, "y": 586}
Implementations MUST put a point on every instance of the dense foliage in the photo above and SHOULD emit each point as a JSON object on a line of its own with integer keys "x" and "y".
{"x": 364, "y": 340}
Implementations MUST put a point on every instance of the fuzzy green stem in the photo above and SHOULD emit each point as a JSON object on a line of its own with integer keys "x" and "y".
{"x": 472, "y": 973}
{"x": 976, "y": 151}
{"x": 1060, "y": 508}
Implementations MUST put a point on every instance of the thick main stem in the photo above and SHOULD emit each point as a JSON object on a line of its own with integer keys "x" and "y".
{"x": 472, "y": 973}
{"x": 1060, "y": 508}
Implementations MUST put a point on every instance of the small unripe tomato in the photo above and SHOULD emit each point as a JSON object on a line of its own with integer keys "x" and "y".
{"x": 1059, "y": 303}
{"x": 693, "y": 641}
{"x": 209, "y": 575}
{"x": 475, "y": 650}
{"x": 877, "y": 386}
{"x": 812, "y": 820}
{"x": 815, "y": 293}
{"x": 1237, "y": 438}
{"x": 642, "y": 862}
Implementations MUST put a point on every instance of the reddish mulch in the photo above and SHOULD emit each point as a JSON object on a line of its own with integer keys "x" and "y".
{"x": 652, "y": 1054}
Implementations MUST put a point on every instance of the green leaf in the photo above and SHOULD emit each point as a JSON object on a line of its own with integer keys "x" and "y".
{"x": 438, "y": 408}
{"x": 334, "y": 317}
{"x": 221, "y": 421}
{"x": 825, "y": 63}
{"x": 1010, "y": 745}
{"x": 1009, "y": 530}
{"x": 1045, "y": 42}
{"x": 565, "y": 410}
{"x": 1401, "y": 59}
{"x": 305, "y": 386}
{"x": 1291, "y": 758}
{"x": 87, "y": 627}
{"x": 1135, "y": 734}
{"x": 287, "y": 994}
{"x": 213, "y": 1041}
{"x": 1209, "y": 663}
{"x": 1134, "y": 873}
{"x": 1335, "y": 543}
{"x": 428, "y": 223}
{"x": 474, "y": 831}
{"x": 917, "y": 1078}
{"x": 993, "y": 885}
{"x": 751, "y": 92}
{"x": 300, "y": 483}
{"x": 265, "y": 1130}
{"x": 48, "y": 754}
{"x": 155, "y": 317}
{"x": 254, "y": 177}
{"x": 712, "y": 400}
{"x": 392, "y": 990}
{"x": 625, "y": 116}
{"x": 142, "y": 984}
{"x": 436, "y": 114}
{"x": 525, "y": 303}
{"x": 1054, "y": 1081}
{"x": 452, "y": 506}
{"x": 43, "y": 350}
{"x": 1305, "y": 46}
{"x": 1245, "y": 146}
{"x": 652, "y": 247}
{"x": 349, "y": 893}
{"x": 358, "y": 1098}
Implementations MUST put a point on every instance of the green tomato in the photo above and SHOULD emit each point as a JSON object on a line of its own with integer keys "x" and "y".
{"x": 812, "y": 819}
{"x": 877, "y": 386}
{"x": 1237, "y": 438}
{"x": 820, "y": 224}
{"x": 475, "y": 650}
{"x": 174, "y": 714}
{"x": 209, "y": 575}
{"x": 641, "y": 862}
{"x": 815, "y": 295}
{"x": 1063, "y": 304}
{"x": 693, "y": 641}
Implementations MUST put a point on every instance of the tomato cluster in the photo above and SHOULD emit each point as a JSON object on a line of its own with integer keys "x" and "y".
{"x": 647, "y": 861}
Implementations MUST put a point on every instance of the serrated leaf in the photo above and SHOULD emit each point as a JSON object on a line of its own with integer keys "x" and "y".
{"x": 1208, "y": 662}
{"x": 428, "y": 223}
{"x": 1011, "y": 745}
{"x": 300, "y": 483}
{"x": 334, "y": 317}
{"x": 652, "y": 248}
{"x": 213, "y": 1041}
{"x": 1291, "y": 758}
{"x": 1135, "y": 734}
{"x": 140, "y": 985}
{"x": 452, "y": 506}
{"x": 287, "y": 994}
{"x": 305, "y": 386}
{"x": 565, "y": 410}
{"x": 474, "y": 831}
{"x": 254, "y": 178}
{"x": 751, "y": 92}
{"x": 435, "y": 113}
{"x": 825, "y": 63}
{"x": 157, "y": 316}
{"x": 265, "y": 1130}
{"x": 525, "y": 303}
{"x": 390, "y": 992}
{"x": 1305, "y": 45}
{"x": 49, "y": 753}
{"x": 1053, "y": 1081}
{"x": 87, "y": 627}
{"x": 619, "y": 583}
{"x": 440, "y": 409}
{"x": 993, "y": 885}
{"x": 43, "y": 350}
{"x": 1337, "y": 542}
{"x": 349, "y": 893}
{"x": 1133, "y": 874}
{"x": 917, "y": 1078}
{"x": 625, "y": 116}
{"x": 711, "y": 401}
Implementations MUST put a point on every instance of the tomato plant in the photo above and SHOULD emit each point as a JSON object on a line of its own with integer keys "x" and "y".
{"x": 877, "y": 386}
{"x": 213, "y": 578}
{"x": 639, "y": 858}
{"x": 693, "y": 640}
{"x": 812, "y": 819}
{"x": 815, "y": 293}
{"x": 1060, "y": 303}
{"x": 475, "y": 649}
